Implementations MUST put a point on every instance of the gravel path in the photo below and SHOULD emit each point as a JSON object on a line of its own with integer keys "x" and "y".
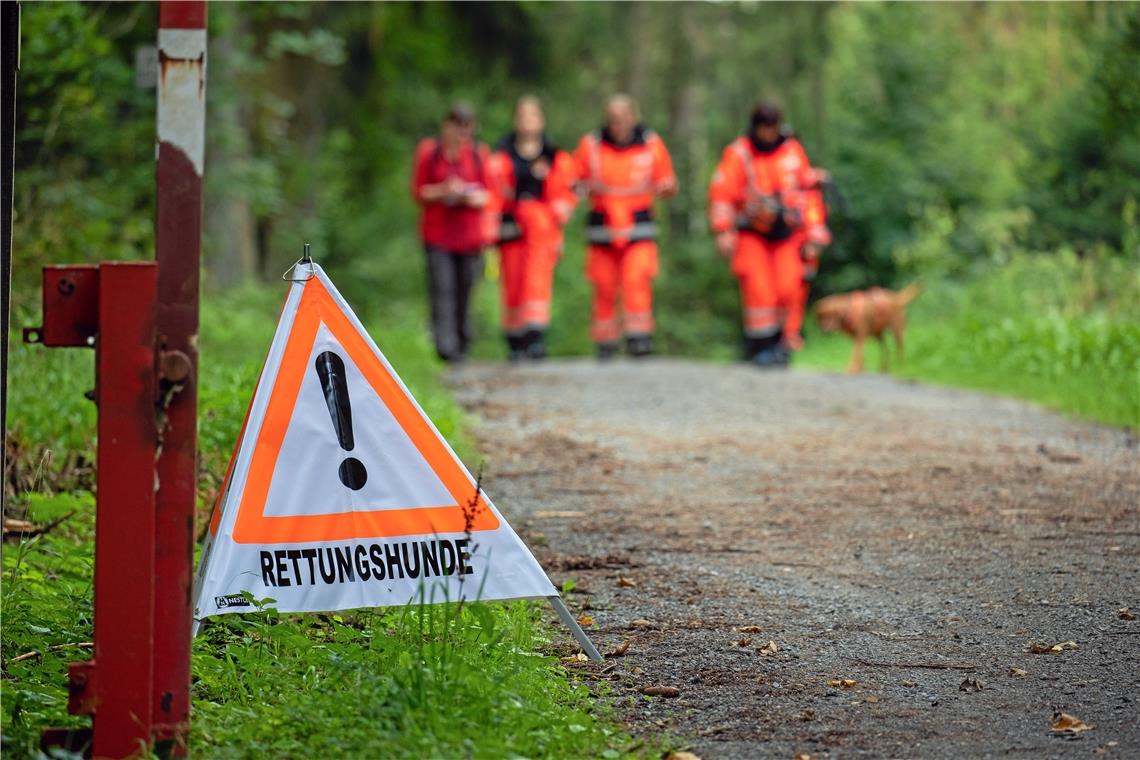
{"x": 913, "y": 540}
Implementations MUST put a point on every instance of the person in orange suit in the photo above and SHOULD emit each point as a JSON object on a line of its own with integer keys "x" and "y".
{"x": 810, "y": 251}
{"x": 623, "y": 167}
{"x": 532, "y": 183}
{"x": 762, "y": 211}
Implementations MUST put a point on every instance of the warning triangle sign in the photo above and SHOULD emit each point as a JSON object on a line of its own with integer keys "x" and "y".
{"x": 341, "y": 493}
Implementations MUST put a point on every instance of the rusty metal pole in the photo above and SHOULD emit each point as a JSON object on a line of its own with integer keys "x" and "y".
{"x": 111, "y": 307}
{"x": 9, "y": 66}
{"x": 178, "y": 225}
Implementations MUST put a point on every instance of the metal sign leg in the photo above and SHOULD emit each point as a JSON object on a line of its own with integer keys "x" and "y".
{"x": 569, "y": 621}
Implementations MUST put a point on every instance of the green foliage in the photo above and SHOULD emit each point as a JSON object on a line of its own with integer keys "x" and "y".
{"x": 46, "y": 606}
{"x": 84, "y": 173}
{"x": 428, "y": 681}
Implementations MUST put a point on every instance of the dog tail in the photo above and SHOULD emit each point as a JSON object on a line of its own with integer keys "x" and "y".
{"x": 909, "y": 293}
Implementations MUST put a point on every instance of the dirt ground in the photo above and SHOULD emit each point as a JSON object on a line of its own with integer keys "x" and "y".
{"x": 915, "y": 541}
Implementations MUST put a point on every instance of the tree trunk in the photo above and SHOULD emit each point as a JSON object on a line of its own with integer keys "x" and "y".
{"x": 231, "y": 245}
{"x": 686, "y": 103}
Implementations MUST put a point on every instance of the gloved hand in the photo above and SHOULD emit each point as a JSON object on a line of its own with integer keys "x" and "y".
{"x": 726, "y": 243}
{"x": 810, "y": 254}
{"x": 818, "y": 235}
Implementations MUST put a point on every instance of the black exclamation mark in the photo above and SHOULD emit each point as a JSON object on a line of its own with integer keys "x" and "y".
{"x": 330, "y": 368}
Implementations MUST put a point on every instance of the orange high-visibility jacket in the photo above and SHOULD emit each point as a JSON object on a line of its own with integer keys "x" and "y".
{"x": 622, "y": 181}
{"x": 770, "y": 192}
{"x": 549, "y": 199}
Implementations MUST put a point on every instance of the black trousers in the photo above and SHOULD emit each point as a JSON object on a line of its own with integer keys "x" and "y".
{"x": 451, "y": 277}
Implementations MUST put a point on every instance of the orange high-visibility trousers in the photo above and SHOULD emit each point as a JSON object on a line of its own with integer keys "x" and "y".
{"x": 770, "y": 274}
{"x": 527, "y": 269}
{"x": 793, "y": 327}
{"x": 627, "y": 269}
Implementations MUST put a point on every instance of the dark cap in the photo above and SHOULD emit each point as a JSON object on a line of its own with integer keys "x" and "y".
{"x": 767, "y": 114}
{"x": 461, "y": 112}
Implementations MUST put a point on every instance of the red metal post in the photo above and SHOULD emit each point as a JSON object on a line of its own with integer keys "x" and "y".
{"x": 124, "y": 518}
{"x": 178, "y": 223}
{"x": 112, "y": 308}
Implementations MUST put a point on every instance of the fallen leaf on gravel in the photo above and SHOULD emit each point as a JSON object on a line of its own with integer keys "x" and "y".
{"x": 807, "y": 715}
{"x": 640, "y": 623}
{"x": 971, "y": 684}
{"x": 749, "y": 629}
{"x": 557, "y": 513}
{"x": 803, "y": 756}
{"x": 744, "y": 642}
{"x": 585, "y": 620}
{"x": 681, "y": 756}
{"x": 1051, "y": 649}
{"x": 660, "y": 691}
{"x": 624, "y": 582}
{"x": 1063, "y": 723}
{"x": 635, "y": 670}
{"x": 620, "y": 649}
{"x": 711, "y": 730}
{"x": 872, "y": 698}
{"x": 1126, "y": 614}
{"x": 769, "y": 648}
{"x": 1017, "y": 672}
{"x": 846, "y": 683}
{"x": 908, "y": 683}
{"x": 574, "y": 658}
{"x": 1057, "y": 456}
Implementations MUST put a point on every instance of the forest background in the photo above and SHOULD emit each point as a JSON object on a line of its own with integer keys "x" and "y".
{"x": 990, "y": 150}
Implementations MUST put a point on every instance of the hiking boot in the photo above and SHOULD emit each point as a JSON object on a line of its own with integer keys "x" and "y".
{"x": 639, "y": 346}
{"x": 535, "y": 347}
{"x": 783, "y": 355}
{"x": 770, "y": 358}
{"x": 607, "y": 351}
{"x": 516, "y": 351}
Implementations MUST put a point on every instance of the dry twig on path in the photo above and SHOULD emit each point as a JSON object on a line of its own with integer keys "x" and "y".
{"x": 926, "y": 665}
{"x": 53, "y": 648}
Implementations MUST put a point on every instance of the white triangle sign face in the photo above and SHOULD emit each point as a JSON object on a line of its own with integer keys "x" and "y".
{"x": 341, "y": 493}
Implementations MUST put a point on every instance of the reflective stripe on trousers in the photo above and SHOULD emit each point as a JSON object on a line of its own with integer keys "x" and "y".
{"x": 606, "y": 235}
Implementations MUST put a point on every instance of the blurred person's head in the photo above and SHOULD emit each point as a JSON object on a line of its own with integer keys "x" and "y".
{"x": 529, "y": 119}
{"x": 765, "y": 122}
{"x": 621, "y": 118}
{"x": 459, "y": 123}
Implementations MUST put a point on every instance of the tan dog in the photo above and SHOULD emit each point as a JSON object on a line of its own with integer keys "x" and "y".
{"x": 868, "y": 314}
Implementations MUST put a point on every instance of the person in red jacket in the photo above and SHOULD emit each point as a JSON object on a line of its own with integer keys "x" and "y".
{"x": 532, "y": 187}
{"x": 623, "y": 168}
{"x": 449, "y": 182}
{"x": 762, "y": 212}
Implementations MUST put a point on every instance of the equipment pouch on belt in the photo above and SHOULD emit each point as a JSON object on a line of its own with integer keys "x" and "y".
{"x": 598, "y": 230}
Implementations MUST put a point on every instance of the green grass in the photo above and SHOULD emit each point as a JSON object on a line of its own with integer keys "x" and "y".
{"x": 1062, "y": 332}
{"x": 473, "y": 680}
{"x": 424, "y": 681}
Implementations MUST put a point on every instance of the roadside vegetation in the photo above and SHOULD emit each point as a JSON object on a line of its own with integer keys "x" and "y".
{"x": 472, "y": 680}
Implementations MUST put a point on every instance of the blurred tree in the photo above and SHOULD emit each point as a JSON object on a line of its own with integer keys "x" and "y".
{"x": 956, "y": 133}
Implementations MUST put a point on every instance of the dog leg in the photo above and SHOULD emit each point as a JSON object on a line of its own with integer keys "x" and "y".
{"x": 899, "y": 327}
{"x": 856, "y": 356}
{"x": 884, "y": 363}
